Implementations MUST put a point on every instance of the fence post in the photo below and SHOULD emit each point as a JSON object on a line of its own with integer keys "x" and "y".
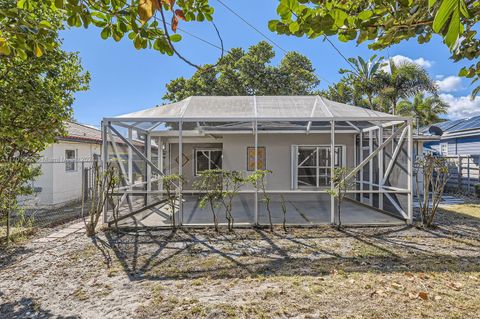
{"x": 84, "y": 182}
{"x": 468, "y": 174}
{"x": 459, "y": 176}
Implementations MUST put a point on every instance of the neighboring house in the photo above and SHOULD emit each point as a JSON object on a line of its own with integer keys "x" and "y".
{"x": 459, "y": 141}
{"x": 65, "y": 162}
{"x": 61, "y": 165}
{"x": 459, "y": 137}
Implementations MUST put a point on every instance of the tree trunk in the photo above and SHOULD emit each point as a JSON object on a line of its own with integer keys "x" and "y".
{"x": 8, "y": 227}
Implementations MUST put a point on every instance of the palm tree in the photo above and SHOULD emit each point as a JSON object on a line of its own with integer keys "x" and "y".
{"x": 404, "y": 80}
{"x": 364, "y": 76}
{"x": 426, "y": 109}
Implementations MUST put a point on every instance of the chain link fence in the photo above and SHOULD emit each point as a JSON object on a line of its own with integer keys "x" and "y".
{"x": 58, "y": 193}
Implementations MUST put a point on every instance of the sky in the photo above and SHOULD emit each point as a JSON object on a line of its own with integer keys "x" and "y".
{"x": 126, "y": 80}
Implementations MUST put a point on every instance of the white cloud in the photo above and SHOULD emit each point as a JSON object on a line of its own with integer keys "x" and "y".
{"x": 420, "y": 61}
{"x": 450, "y": 84}
{"x": 399, "y": 59}
{"x": 461, "y": 106}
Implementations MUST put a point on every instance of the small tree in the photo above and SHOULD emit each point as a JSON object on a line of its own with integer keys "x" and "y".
{"x": 210, "y": 184}
{"x": 341, "y": 185}
{"x": 232, "y": 182}
{"x": 257, "y": 179}
{"x": 104, "y": 184}
{"x": 434, "y": 170}
{"x": 284, "y": 209}
{"x": 171, "y": 186}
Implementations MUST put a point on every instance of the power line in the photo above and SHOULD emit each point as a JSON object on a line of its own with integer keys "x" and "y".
{"x": 264, "y": 35}
{"x": 252, "y": 26}
{"x": 338, "y": 51}
{"x": 196, "y": 37}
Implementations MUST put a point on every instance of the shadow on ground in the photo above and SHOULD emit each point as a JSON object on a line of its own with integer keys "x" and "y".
{"x": 191, "y": 254}
{"x": 27, "y": 308}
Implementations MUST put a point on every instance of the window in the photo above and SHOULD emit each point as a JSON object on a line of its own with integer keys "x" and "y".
{"x": 70, "y": 157}
{"x": 313, "y": 165}
{"x": 444, "y": 148}
{"x": 207, "y": 159}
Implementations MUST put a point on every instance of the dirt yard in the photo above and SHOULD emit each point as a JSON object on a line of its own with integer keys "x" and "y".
{"x": 389, "y": 272}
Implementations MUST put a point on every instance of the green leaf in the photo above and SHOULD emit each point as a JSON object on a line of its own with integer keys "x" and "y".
{"x": 44, "y": 24}
{"x": 339, "y": 16}
{"x": 294, "y": 27}
{"x": 272, "y": 25}
{"x": 21, "y": 54}
{"x": 59, "y": 4}
{"x": 137, "y": 43}
{"x": 444, "y": 12}
{"x": 454, "y": 29}
{"x": 175, "y": 37}
{"x": 21, "y": 4}
{"x": 106, "y": 32}
{"x": 431, "y": 3}
{"x": 365, "y": 15}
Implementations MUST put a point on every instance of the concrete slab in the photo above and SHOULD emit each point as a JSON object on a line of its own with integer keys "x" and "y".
{"x": 71, "y": 229}
{"x": 301, "y": 209}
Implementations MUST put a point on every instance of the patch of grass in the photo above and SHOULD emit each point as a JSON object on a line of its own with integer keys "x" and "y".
{"x": 365, "y": 250}
{"x": 468, "y": 209}
{"x": 80, "y": 294}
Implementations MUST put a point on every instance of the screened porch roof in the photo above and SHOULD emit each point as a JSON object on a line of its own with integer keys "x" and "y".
{"x": 249, "y": 108}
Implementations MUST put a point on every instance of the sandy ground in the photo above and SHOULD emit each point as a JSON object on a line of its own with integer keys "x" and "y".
{"x": 388, "y": 272}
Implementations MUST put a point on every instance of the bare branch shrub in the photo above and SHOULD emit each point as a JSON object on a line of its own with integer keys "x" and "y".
{"x": 257, "y": 179}
{"x": 171, "y": 186}
{"x": 232, "y": 183}
{"x": 284, "y": 210}
{"x": 210, "y": 185}
{"x": 104, "y": 184}
{"x": 435, "y": 172}
{"x": 341, "y": 186}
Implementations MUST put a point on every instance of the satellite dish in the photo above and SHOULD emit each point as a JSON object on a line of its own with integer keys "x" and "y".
{"x": 435, "y": 130}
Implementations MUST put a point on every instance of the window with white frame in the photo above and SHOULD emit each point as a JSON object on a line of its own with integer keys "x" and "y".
{"x": 313, "y": 165}
{"x": 206, "y": 159}
{"x": 70, "y": 158}
{"x": 444, "y": 148}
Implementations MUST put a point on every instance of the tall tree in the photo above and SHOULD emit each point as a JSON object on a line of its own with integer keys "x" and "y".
{"x": 364, "y": 77}
{"x": 249, "y": 73}
{"x": 342, "y": 92}
{"x": 35, "y": 99}
{"x": 425, "y": 109}
{"x": 385, "y": 23}
{"x": 403, "y": 81}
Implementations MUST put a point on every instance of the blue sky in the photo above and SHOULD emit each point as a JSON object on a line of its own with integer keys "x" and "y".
{"x": 126, "y": 80}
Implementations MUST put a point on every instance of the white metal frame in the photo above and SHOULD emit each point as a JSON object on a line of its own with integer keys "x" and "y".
{"x": 111, "y": 136}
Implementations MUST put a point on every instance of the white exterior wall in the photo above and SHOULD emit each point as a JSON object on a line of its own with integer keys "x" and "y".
{"x": 278, "y": 154}
{"x": 58, "y": 185}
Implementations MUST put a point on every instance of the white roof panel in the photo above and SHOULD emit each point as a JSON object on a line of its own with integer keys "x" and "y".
{"x": 238, "y": 108}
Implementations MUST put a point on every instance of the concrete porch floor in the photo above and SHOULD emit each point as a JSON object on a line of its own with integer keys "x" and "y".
{"x": 303, "y": 210}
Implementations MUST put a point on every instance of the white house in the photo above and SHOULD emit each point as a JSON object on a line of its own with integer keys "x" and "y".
{"x": 66, "y": 166}
{"x": 62, "y": 164}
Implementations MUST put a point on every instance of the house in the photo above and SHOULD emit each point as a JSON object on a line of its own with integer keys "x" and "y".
{"x": 66, "y": 166}
{"x": 301, "y": 139}
{"x": 459, "y": 142}
{"x": 458, "y": 137}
